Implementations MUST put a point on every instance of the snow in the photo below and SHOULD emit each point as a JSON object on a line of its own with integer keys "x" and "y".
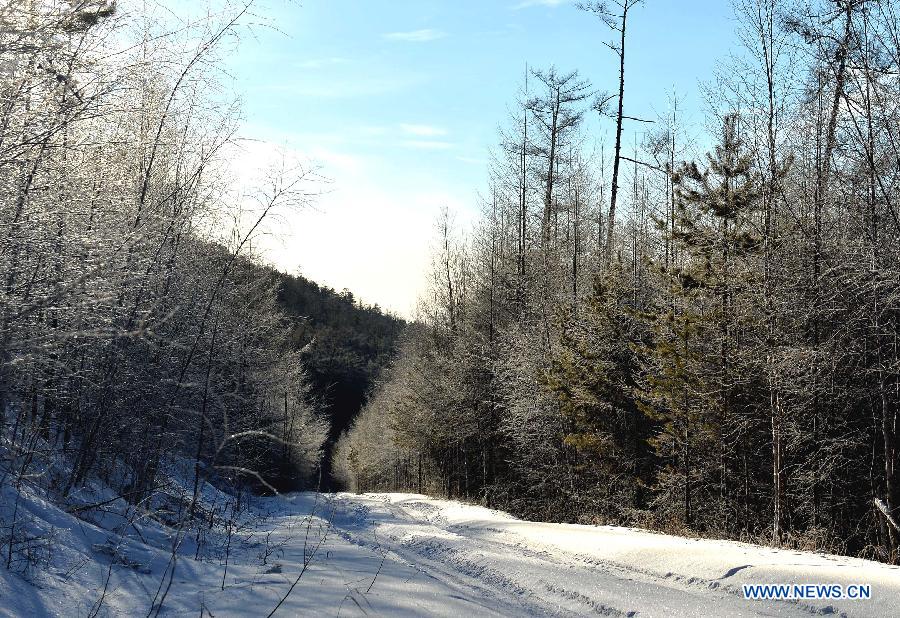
{"x": 410, "y": 555}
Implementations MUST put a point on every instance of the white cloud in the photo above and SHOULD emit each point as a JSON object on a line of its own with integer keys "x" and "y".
{"x": 422, "y": 130}
{"x": 416, "y": 36}
{"x": 529, "y": 3}
{"x": 424, "y": 144}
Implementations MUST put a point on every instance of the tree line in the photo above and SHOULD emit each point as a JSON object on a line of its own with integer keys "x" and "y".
{"x": 706, "y": 344}
{"x": 137, "y": 323}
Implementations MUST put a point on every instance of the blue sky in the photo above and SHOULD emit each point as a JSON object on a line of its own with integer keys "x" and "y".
{"x": 400, "y": 101}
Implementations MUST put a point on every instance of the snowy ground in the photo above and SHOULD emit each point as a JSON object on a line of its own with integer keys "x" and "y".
{"x": 409, "y": 555}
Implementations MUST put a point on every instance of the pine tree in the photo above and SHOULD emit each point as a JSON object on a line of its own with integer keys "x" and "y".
{"x": 593, "y": 376}
{"x": 697, "y": 372}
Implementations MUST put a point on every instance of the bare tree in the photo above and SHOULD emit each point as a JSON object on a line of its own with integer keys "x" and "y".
{"x": 617, "y": 20}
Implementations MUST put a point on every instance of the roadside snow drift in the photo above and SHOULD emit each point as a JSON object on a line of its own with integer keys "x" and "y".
{"x": 410, "y": 555}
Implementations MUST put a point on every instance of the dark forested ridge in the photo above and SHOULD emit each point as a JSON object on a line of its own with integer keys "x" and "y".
{"x": 705, "y": 342}
{"x": 345, "y": 344}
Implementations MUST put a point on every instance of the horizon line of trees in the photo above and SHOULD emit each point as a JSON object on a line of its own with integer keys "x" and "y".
{"x": 707, "y": 345}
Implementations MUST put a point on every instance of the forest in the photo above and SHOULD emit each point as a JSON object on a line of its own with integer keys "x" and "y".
{"x": 695, "y": 334}
{"x": 139, "y": 325}
{"x": 679, "y": 326}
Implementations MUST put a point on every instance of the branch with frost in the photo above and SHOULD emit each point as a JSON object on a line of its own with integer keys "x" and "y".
{"x": 881, "y": 506}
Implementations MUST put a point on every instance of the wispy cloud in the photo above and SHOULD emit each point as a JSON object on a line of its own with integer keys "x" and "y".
{"x": 529, "y": 3}
{"x": 416, "y": 36}
{"x": 424, "y": 144}
{"x": 422, "y": 130}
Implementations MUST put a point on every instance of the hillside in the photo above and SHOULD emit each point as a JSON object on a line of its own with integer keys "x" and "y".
{"x": 345, "y": 345}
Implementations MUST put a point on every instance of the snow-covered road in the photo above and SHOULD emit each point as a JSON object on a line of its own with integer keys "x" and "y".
{"x": 410, "y": 555}
{"x": 443, "y": 558}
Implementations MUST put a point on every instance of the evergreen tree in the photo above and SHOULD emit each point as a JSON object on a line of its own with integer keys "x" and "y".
{"x": 593, "y": 375}
{"x": 698, "y": 374}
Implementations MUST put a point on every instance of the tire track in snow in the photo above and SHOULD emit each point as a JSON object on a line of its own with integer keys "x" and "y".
{"x": 433, "y": 559}
{"x": 538, "y": 579}
{"x": 431, "y": 543}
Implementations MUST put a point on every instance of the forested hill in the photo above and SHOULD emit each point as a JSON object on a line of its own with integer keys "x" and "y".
{"x": 345, "y": 344}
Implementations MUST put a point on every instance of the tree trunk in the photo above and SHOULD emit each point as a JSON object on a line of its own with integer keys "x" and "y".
{"x": 611, "y": 220}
